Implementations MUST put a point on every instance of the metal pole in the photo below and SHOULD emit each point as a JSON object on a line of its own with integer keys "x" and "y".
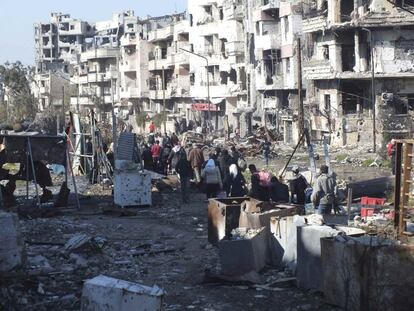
{"x": 29, "y": 146}
{"x": 113, "y": 119}
{"x": 300, "y": 95}
{"x": 374, "y": 130}
{"x": 163, "y": 100}
{"x": 63, "y": 109}
{"x": 73, "y": 178}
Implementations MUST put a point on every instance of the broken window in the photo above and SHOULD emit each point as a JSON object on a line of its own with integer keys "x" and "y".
{"x": 243, "y": 78}
{"x": 208, "y": 10}
{"x": 347, "y": 7}
{"x": 209, "y": 44}
{"x": 286, "y": 24}
{"x": 221, "y": 14}
{"x": 224, "y": 76}
{"x": 403, "y": 103}
{"x": 348, "y": 58}
{"x": 191, "y": 20}
{"x": 192, "y": 79}
{"x": 355, "y": 96}
{"x": 72, "y": 27}
{"x": 327, "y": 102}
{"x": 325, "y": 52}
{"x": 233, "y": 76}
{"x": 271, "y": 61}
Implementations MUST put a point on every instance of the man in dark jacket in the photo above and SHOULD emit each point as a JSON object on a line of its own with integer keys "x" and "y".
{"x": 298, "y": 187}
{"x": 183, "y": 168}
{"x": 279, "y": 192}
{"x": 224, "y": 162}
{"x": 147, "y": 158}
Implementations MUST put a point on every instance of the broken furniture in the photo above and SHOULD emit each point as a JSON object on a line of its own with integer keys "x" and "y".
{"x": 224, "y": 215}
{"x": 109, "y": 294}
{"x": 132, "y": 186}
{"x": 367, "y": 273}
{"x": 245, "y": 251}
{"x": 11, "y": 243}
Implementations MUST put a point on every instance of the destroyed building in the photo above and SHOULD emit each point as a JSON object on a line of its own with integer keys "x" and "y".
{"x": 357, "y": 51}
{"x": 58, "y": 44}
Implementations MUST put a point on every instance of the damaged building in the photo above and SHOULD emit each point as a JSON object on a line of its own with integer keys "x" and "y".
{"x": 359, "y": 52}
{"x": 217, "y": 65}
{"x": 275, "y": 27}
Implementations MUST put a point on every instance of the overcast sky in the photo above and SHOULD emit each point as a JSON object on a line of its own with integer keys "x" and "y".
{"x": 18, "y": 16}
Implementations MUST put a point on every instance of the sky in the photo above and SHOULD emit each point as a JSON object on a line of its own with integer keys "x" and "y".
{"x": 18, "y": 16}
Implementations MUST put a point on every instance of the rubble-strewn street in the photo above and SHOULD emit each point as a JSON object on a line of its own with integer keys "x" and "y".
{"x": 164, "y": 245}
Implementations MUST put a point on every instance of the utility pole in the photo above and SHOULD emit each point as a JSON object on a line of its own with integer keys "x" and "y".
{"x": 63, "y": 109}
{"x": 374, "y": 130}
{"x": 208, "y": 81}
{"x": 114, "y": 134}
{"x": 163, "y": 100}
{"x": 299, "y": 82}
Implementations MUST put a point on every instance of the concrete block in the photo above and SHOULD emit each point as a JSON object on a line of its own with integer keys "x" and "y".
{"x": 309, "y": 271}
{"x": 223, "y": 217}
{"x": 109, "y": 294}
{"x": 132, "y": 187}
{"x": 333, "y": 219}
{"x": 12, "y": 254}
{"x": 368, "y": 273}
{"x": 243, "y": 255}
{"x": 284, "y": 240}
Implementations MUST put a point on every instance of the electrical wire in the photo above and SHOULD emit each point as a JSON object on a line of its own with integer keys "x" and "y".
{"x": 400, "y": 6}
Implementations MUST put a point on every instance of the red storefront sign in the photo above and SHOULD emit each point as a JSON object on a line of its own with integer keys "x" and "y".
{"x": 204, "y": 107}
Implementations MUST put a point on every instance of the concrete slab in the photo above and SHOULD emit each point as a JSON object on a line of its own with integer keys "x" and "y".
{"x": 109, "y": 294}
{"x": 243, "y": 255}
{"x": 12, "y": 253}
{"x": 368, "y": 273}
{"x": 309, "y": 271}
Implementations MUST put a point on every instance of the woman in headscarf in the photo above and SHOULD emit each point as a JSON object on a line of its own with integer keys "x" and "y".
{"x": 212, "y": 178}
{"x": 236, "y": 182}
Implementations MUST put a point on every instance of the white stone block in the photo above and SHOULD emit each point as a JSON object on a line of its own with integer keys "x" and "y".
{"x": 104, "y": 293}
{"x": 11, "y": 245}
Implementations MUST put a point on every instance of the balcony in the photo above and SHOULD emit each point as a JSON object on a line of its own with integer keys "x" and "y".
{"x": 130, "y": 92}
{"x": 313, "y": 24}
{"x": 270, "y": 83}
{"x": 270, "y": 5}
{"x": 81, "y": 101}
{"x": 129, "y": 40}
{"x": 268, "y": 42}
{"x": 99, "y": 53}
{"x": 158, "y": 94}
{"x": 97, "y": 77}
{"x": 158, "y": 64}
{"x": 318, "y": 69}
{"x": 127, "y": 66}
{"x": 234, "y": 48}
{"x": 161, "y": 34}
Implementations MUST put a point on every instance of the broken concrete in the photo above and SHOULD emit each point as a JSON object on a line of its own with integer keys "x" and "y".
{"x": 11, "y": 245}
{"x": 105, "y": 293}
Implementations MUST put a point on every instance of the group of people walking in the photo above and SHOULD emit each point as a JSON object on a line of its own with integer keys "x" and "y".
{"x": 221, "y": 175}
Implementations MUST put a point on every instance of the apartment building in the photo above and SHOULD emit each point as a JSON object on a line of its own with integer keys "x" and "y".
{"x": 217, "y": 67}
{"x": 169, "y": 66}
{"x": 58, "y": 44}
{"x": 97, "y": 75}
{"x": 359, "y": 56}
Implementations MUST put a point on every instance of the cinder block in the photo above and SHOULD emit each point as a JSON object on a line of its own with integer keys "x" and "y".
{"x": 12, "y": 253}
{"x": 309, "y": 271}
{"x": 109, "y": 294}
{"x": 240, "y": 256}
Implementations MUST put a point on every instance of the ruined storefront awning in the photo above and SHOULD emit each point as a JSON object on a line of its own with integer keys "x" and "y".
{"x": 205, "y": 107}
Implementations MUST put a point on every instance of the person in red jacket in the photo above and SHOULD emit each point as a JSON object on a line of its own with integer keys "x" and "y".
{"x": 391, "y": 154}
{"x": 152, "y": 127}
{"x": 156, "y": 152}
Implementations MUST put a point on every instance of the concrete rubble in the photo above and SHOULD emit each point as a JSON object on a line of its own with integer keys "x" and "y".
{"x": 105, "y": 293}
{"x": 12, "y": 253}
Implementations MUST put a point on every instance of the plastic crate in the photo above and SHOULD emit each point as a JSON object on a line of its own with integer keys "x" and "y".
{"x": 367, "y": 212}
{"x": 372, "y": 201}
